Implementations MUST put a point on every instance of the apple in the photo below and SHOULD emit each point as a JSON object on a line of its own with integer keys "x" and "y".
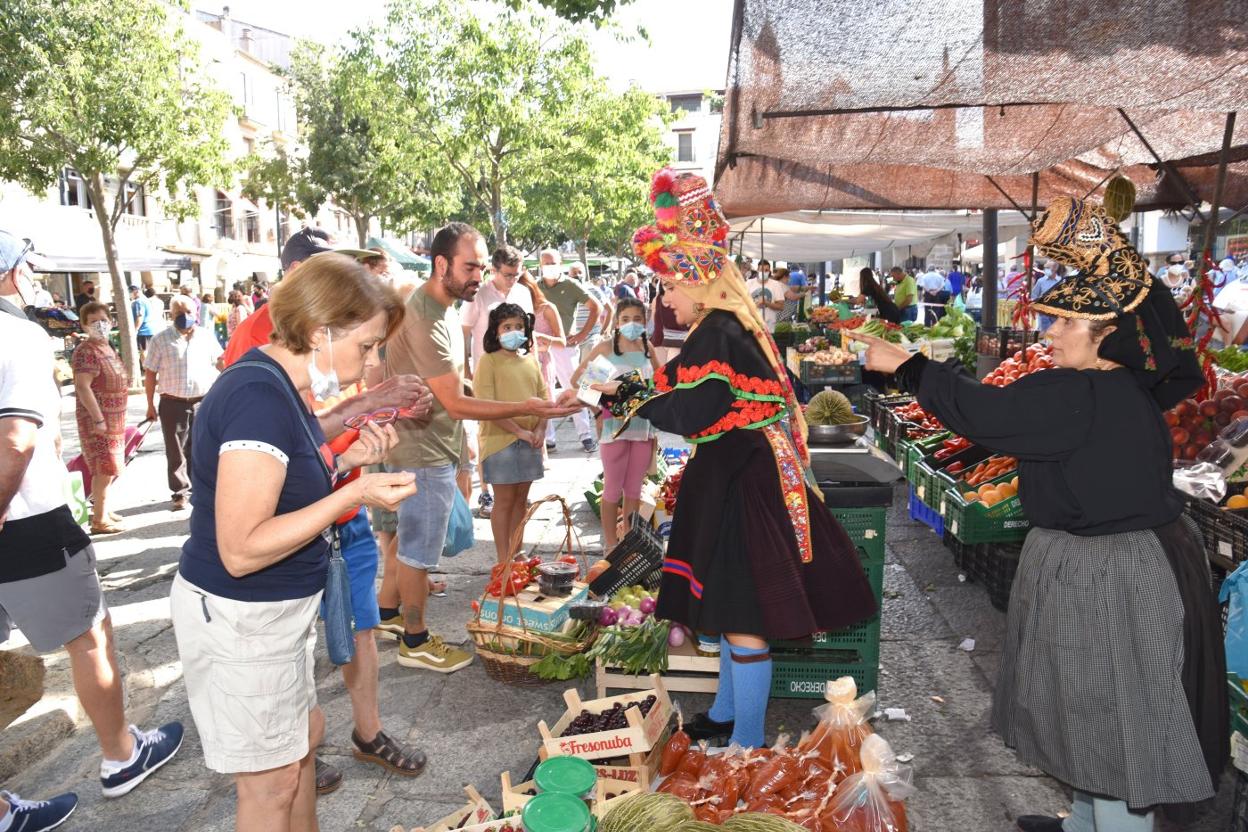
{"x": 1172, "y": 419}
{"x": 1242, "y": 390}
{"x": 1180, "y": 436}
{"x": 1239, "y": 414}
{"x": 1222, "y": 419}
{"x": 1202, "y": 437}
{"x": 1222, "y": 394}
{"x": 1187, "y": 407}
{"x": 1190, "y": 451}
{"x": 1209, "y": 408}
{"x": 1231, "y": 403}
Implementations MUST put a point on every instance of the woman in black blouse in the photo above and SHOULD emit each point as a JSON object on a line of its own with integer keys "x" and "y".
{"x": 870, "y": 288}
{"x": 1112, "y": 674}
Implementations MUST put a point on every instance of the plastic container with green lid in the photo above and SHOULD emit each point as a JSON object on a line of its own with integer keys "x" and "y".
{"x": 554, "y": 812}
{"x": 566, "y": 775}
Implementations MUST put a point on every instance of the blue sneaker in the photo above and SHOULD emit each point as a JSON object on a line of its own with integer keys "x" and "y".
{"x": 155, "y": 748}
{"x": 39, "y": 815}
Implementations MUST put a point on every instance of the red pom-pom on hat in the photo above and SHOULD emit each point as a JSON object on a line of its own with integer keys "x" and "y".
{"x": 663, "y": 183}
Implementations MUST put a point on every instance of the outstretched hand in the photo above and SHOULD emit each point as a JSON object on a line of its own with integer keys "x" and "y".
{"x": 544, "y": 409}
{"x": 882, "y": 356}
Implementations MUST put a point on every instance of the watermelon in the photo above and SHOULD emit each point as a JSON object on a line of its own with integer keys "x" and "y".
{"x": 648, "y": 812}
{"x": 759, "y": 822}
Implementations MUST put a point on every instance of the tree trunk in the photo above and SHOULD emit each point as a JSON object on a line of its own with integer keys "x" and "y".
{"x": 496, "y": 214}
{"x": 361, "y": 229}
{"x": 121, "y": 294}
{"x": 583, "y": 249}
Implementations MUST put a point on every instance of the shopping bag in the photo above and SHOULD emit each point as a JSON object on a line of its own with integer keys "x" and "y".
{"x": 76, "y": 497}
{"x": 339, "y": 623}
{"x": 1235, "y": 591}
{"x": 459, "y": 529}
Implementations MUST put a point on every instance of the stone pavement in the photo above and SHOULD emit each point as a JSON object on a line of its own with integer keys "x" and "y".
{"x": 474, "y": 728}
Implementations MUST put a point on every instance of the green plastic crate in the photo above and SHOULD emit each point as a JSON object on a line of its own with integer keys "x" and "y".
{"x": 865, "y": 527}
{"x": 797, "y": 675}
{"x": 924, "y": 483}
{"x": 972, "y": 523}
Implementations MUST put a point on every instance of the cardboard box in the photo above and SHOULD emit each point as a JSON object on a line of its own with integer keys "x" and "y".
{"x": 639, "y": 736}
{"x": 477, "y": 811}
{"x": 541, "y": 613}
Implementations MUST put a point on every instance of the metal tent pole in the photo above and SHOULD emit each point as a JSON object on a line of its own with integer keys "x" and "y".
{"x": 988, "y": 320}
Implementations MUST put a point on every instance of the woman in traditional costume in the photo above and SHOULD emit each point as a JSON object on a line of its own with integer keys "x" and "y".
{"x": 1112, "y": 674}
{"x": 754, "y": 554}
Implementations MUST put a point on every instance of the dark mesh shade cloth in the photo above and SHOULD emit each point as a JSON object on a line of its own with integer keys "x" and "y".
{"x": 930, "y": 96}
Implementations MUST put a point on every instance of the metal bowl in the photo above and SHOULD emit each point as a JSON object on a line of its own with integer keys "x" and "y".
{"x": 838, "y": 434}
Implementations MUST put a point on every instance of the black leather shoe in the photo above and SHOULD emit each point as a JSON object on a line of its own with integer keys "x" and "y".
{"x": 1039, "y": 823}
{"x": 704, "y": 728}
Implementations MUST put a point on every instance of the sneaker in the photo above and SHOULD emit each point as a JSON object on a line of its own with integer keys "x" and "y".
{"x": 589, "y": 444}
{"x": 39, "y": 815}
{"x": 155, "y": 748}
{"x": 179, "y": 504}
{"x": 391, "y": 627}
{"x": 485, "y": 504}
{"x": 552, "y": 445}
{"x": 433, "y": 655}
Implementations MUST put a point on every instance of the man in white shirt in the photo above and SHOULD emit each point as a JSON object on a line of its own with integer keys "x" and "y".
{"x": 767, "y": 293}
{"x": 49, "y": 588}
{"x": 181, "y": 363}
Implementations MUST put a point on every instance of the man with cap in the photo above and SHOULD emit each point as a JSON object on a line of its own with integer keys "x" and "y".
{"x": 141, "y": 313}
{"x": 181, "y": 364}
{"x": 49, "y": 588}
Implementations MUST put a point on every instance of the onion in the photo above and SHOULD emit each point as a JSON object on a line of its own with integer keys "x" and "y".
{"x": 647, "y": 605}
{"x": 608, "y": 617}
{"x": 676, "y": 636}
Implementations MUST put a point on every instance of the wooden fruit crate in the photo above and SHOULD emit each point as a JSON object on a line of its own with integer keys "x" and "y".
{"x": 476, "y": 811}
{"x": 639, "y": 736}
{"x": 687, "y": 672}
{"x": 642, "y": 769}
{"x": 606, "y": 792}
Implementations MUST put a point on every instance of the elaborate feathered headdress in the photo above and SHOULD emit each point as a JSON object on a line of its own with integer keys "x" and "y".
{"x": 687, "y": 240}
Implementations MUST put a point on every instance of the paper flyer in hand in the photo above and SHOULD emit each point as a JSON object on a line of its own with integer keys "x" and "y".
{"x": 599, "y": 371}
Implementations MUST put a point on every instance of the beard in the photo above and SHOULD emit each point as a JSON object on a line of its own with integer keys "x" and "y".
{"x": 466, "y": 290}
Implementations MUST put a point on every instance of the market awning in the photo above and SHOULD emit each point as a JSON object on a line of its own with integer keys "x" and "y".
{"x": 806, "y": 236}
{"x": 397, "y": 251}
{"x": 90, "y": 264}
{"x": 915, "y": 103}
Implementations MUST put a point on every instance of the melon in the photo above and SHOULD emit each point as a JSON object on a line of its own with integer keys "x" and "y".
{"x": 759, "y": 822}
{"x": 1119, "y": 198}
{"x": 648, "y": 812}
{"x": 698, "y": 826}
{"x": 829, "y": 407}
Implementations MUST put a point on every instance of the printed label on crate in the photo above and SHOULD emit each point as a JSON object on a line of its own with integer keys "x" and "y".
{"x": 870, "y": 534}
{"x": 920, "y": 491}
{"x": 803, "y": 686}
{"x": 1224, "y": 549}
{"x": 1016, "y": 524}
{"x": 543, "y": 614}
{"x": 953, "y": 527}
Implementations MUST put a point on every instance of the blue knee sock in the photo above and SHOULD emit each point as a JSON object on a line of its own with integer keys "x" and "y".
{"x": 751, "y": 687}
{"x": 724, "y": 709}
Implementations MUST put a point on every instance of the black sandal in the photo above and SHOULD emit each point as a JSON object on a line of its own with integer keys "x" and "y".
{"x": 328, "y": 778}
{"x": 389, "y": 754}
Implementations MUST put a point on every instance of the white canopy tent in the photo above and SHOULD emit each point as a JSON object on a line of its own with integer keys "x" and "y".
{"x": 808, "y": 236}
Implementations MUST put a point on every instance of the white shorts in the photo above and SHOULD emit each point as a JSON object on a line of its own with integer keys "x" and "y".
{"x": 248, "y": 667}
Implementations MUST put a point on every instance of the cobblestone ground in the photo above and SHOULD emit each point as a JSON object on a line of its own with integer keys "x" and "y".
{"x": 473, "y": 728}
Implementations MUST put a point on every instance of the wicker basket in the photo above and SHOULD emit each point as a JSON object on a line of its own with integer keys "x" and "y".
{"x": 508, "y": 653}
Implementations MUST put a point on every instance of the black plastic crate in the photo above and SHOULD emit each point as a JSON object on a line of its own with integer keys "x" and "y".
{"x": 1239, "y": 808}
{"x": 636, "y": 559}
{"x": 997, "y": 565}
{"x": 1225, "y": 532}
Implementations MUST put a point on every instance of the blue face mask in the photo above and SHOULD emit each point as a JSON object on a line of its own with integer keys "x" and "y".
{"x": 512, "y": 340}
{"x": 633, "y": 331}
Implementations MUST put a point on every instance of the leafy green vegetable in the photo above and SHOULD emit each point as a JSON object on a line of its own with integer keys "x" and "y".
{"x": 1232, "y": 359}
{"x": 637, "y": 651}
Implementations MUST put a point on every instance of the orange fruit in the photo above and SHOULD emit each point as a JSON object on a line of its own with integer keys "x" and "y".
{"x": 971, "y": 496}
{"x": 1237, "y": 501}
{"x": 1014, "y": 482}
{"x": 990, "y": 495}
{"x": 985, "y": 488}
{"x": 1006, "y": 490}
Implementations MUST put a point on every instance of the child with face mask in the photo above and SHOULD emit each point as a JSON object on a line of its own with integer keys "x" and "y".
{"x": 625, "y": 458}
{"x": 511, "y": 449}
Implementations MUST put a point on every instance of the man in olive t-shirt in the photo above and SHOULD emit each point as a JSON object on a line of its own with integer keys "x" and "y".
{"x": 431, "y": 343}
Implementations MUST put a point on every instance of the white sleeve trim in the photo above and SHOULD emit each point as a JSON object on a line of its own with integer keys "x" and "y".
{"x": 253, "y": 445}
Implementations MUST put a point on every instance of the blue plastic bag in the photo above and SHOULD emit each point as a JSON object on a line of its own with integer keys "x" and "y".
{"x": 1235, "y": 590}
{"x": 459, "y": 530}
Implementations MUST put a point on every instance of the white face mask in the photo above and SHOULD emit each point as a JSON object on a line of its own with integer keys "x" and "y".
{"x": 550, "y": 272}
{"x": 100, "y": 329}
{"x": 324, "y": 385}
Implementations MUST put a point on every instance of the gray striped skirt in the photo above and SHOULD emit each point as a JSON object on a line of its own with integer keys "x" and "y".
{"x": 1090, "y": 689}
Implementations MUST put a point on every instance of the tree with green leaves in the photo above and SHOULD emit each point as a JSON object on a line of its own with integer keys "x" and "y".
{"x": 113, "y": 89}
{"x": 596, "y": 11}
{"x": 361, "y": 144}
{"x": 597, "y": 195}
{"x": 497, "y": 98}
